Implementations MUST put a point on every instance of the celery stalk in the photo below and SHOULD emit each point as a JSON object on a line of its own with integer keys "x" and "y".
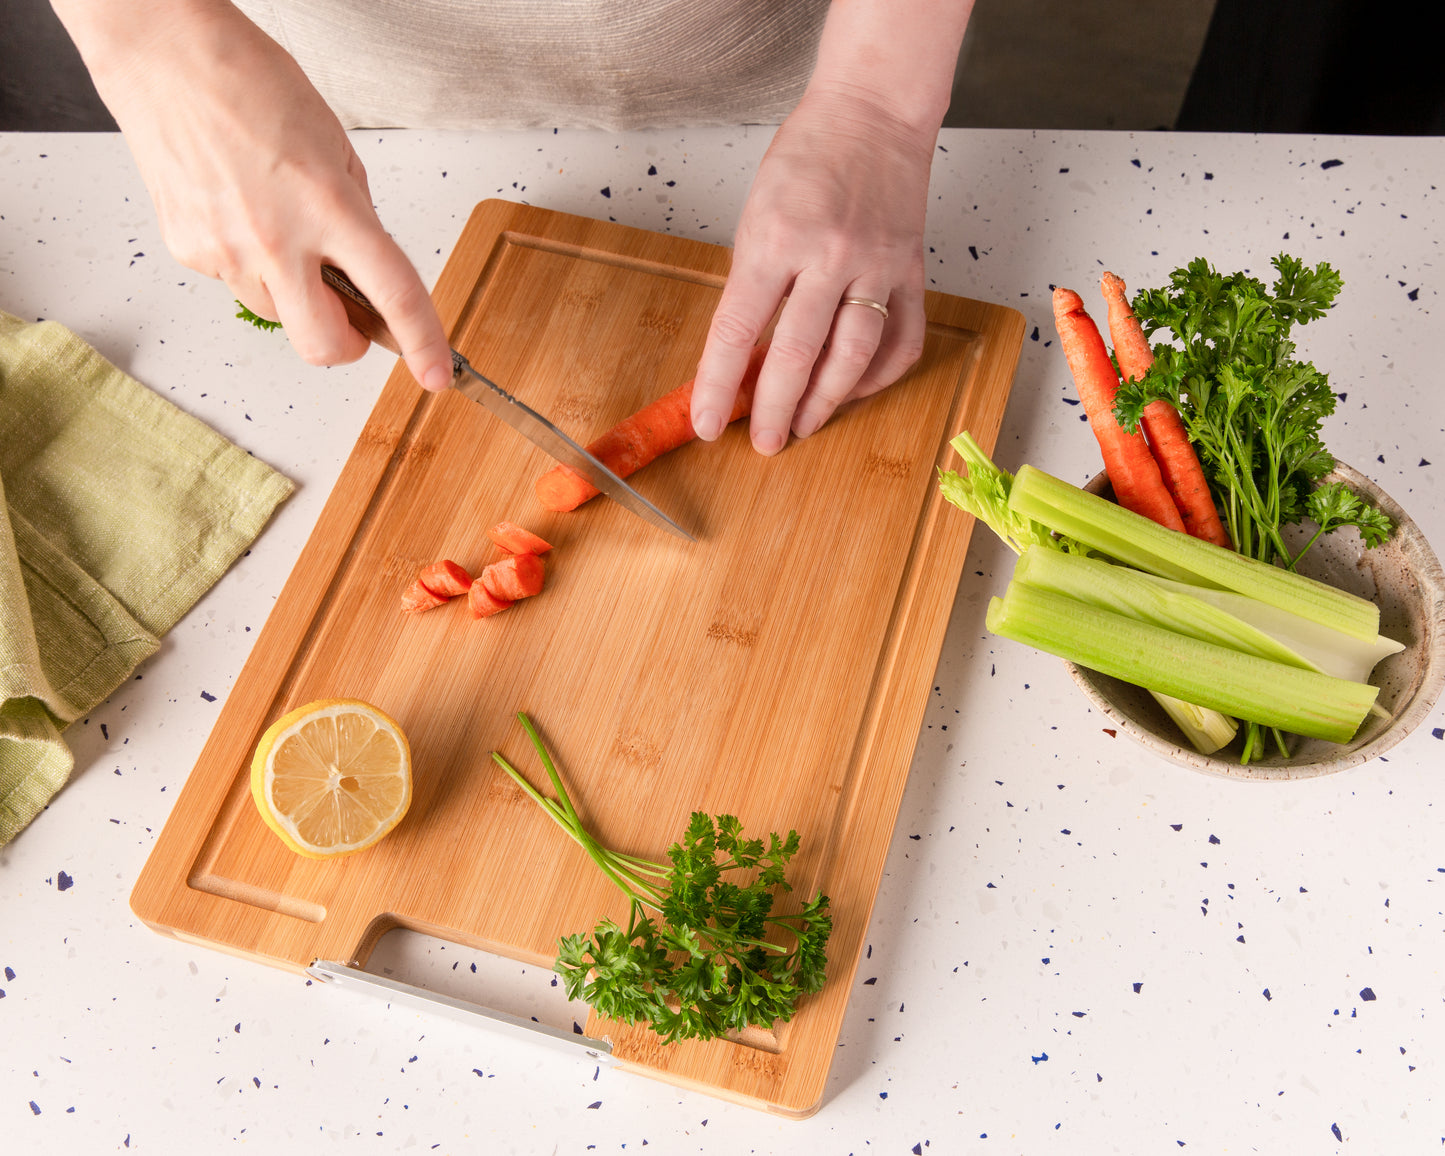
{"x": 1272, "y": 694}
{"x": 1136, "y": 541}
{"x": 1207, "y": 730}
{"x": 1135, "y": 594}
{"x": 983, "y": 492}
{"x": 1322, "y": 648}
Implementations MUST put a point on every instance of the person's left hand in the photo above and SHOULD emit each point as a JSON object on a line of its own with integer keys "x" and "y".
{"x": 836, "y": 211}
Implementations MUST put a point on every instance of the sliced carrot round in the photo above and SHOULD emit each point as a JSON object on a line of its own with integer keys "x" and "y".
{"x": 483, "y": 602}
{"x": 516, "y": 576}
{"x": 516, "y": 540}
{"x": 417, "y": 598}
{"x": 445, "y": 578}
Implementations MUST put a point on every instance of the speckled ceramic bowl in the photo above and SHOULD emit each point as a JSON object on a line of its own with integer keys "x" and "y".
{"x": 1403, "y": 577}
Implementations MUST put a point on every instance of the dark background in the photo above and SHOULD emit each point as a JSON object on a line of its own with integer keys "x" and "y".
{"x": 1327, "y": 66}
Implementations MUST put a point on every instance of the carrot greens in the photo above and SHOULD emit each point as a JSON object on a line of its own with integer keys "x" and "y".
{"x": 698, "y": 957}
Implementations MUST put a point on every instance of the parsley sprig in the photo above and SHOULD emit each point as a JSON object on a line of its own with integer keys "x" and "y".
{"x": 1253, "y": 411}
{"x": 264, "y": 323}
{"x": 695, "y": 960}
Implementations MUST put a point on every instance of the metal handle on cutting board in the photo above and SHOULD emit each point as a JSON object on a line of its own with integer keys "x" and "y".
{"x": 329, "y": 971}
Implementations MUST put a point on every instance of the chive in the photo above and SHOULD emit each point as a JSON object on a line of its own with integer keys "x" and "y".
{"x": 1272, "y": 694}
{"x": 1136, "y": 541}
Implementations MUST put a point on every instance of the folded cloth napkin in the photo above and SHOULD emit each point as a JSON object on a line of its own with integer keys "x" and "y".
{"x": 117, "y": 512}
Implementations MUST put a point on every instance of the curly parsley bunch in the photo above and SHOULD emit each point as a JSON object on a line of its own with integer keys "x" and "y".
{"x": 700, "y": 955}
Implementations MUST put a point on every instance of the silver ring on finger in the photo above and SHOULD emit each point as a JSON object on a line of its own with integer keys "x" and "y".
{"x": 868, "y": 301}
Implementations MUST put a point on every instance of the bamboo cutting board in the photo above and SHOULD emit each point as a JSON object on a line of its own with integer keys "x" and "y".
{"x": 777, "y": 668}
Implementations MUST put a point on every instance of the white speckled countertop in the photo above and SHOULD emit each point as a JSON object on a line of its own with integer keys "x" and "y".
{"x": 1076, "y": 948}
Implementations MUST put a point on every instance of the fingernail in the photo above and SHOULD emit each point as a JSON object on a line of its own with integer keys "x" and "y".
{"x": 708, "y": 424}
{"x": 437, "y": 378}
{"x": 806, "y": 425}
{"x": 768, "y": 441}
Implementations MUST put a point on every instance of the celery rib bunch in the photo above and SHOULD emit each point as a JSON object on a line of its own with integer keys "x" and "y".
{"x": 1181, "y": 617}
{"x": 984, "y": 492}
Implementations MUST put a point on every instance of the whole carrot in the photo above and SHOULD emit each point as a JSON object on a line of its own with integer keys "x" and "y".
{"x": 659, "y": 426}
{"x": 1163, "y": 428}
{"x": 1132, "y": 470}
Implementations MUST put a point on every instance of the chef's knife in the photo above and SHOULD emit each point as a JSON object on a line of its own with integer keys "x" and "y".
{"x": 528, "y": 422}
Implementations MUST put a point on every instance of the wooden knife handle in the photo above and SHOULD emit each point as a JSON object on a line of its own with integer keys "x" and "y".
{"x": 359, "y": 311}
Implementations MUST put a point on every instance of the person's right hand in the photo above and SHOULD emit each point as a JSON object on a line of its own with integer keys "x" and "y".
{"x": 253, "y": 178}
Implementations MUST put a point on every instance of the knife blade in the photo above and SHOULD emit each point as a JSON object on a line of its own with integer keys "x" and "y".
{"x": 521, "y": 417}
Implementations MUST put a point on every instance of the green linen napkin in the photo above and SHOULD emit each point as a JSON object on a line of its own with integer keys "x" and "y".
{"x": 117, "y": 512}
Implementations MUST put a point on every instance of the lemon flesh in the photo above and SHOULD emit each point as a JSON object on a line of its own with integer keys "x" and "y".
{"x": 332, "y": 777}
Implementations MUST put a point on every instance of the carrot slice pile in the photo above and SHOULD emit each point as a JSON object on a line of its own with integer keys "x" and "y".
{"x": 515, "y": 576}
{"x": 520, "y": 574}
{"x": 483, "y": 602}
{"x": 417, "y": 598}
{"x": 435, "y": 585}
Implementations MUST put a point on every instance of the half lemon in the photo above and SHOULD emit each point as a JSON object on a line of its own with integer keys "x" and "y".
{"x": 332, "y": 777}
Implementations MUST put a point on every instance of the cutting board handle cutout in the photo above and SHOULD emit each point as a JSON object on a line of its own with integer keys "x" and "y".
{"x": 531, "y": 991}
{"x": 344, "y": 975}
